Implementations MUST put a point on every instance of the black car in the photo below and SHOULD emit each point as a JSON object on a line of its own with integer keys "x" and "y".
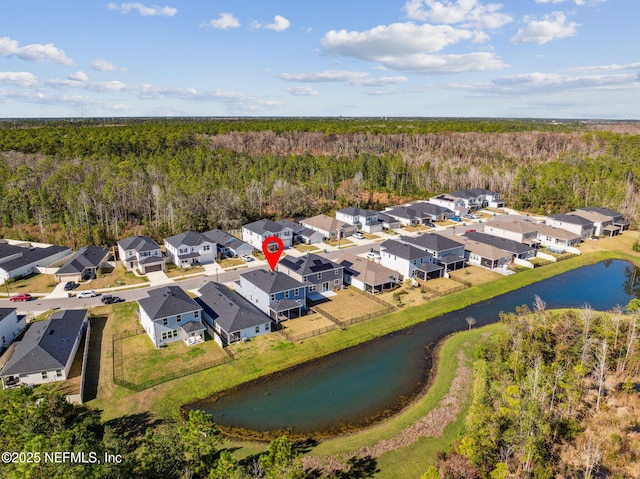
{"x": 70, "y": 286}
{"x": 109, "y": 299}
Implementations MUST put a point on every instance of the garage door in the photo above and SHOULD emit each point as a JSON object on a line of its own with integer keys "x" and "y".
{"x": 151, "y": 269}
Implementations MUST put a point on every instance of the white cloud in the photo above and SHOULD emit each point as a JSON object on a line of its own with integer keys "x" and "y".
{"x": 612, "y": 67}
{"x": 143, "y": 10}
{"x": 279, "y": 24}
{"x": 445, "y": 64}
{"x": 21, "y": 79}
{"x": 332, "y": 76}
{"x": 305, "y": 90}
{"x": 79, "y": 76}
{"x": 577, "y": 2}
{"x": 35, "y": 52}
{"x": 224, "y": 21}
{"x": 467, "y": 13}
{"x": 105, "y": 66}
{"x": 552, "y": 27}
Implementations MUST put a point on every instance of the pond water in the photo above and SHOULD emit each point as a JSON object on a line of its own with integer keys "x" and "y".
{"x": 357, "y": 386}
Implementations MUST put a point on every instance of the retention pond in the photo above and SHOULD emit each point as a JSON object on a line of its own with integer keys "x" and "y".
{"x": 361, "y": 385}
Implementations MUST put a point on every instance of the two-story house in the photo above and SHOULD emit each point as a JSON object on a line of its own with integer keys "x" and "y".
{"x": 606, "y": 222}
{"x": 277, "y": 295}
{"x": 364, "y": 220}
{"x": 255, "y": 233}
{"x": 302, "y": 234}
{"x": 190, "y": 248}
{"x": 487, "y": 198}
{"x": 517, "y": 249}
{"x": 403, "y": 258}
{"x": 574, "y": 223}
{"x": 617, "y": 217}
{"x": 518, "y": 230}
{"x": 460, "y": 206}
{"x": 445, "y": 251}
{"x": 140, "y": 253}
{"x": 318, "y": 273}
{"x": 231, "y": 317}
{"x": 169, "y": 314}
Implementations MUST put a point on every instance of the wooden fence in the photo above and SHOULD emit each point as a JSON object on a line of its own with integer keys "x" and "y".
{"x": 444, "y": 292}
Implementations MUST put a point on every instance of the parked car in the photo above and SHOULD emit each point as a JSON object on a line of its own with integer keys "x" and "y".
{"x": 70, "y": 286}
{"x": 456, "y": 218}
{"x": 87, "y": 294}
{"x": 358, "y": 235}
{"x": 110, "y": 299}
{"x": 470, "y": 231}
{"x": 430, "y": 224}
{"x": 373, "y": 255}
{"x": 246, "y": 258}
{"x": 21, "y": 297}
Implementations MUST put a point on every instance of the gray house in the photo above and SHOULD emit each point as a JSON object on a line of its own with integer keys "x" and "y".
{"x": 82, "y": 265}
{"x": 255, "y": 233}
{"x": 318, "y": 273}
{"x": 574, "y": 223}
{"x": 231, "y": 317}
{"x": 277, "y": 295}
{"x": 446, "y": 252}
{"x": 169, "y": 314}
{"x": 302, "y": 234}
{"x": 19, "y": 259}
{"x": 517, "y": 249}
{"x": 140, "y": 253}
{"x": 228, "y": 245}
{"x": 47, "y": 350}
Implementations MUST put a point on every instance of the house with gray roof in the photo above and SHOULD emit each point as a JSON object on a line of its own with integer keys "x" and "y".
{"x": 367, "y": 275}
{"x": 606, "y": 222}
{"x": 403, "y": 258}
{"x": 277, "y": 295}
{"x": 47, "y": 350}
{"x": 557, "y": 238}
{"x": 485, "y": 255}
{"x": 169, "y": 314}
{"x": 19, "y": 258}
{"x": 445, "y": 251}
{"x": 487, "y": 198}
{"x": 362, "y": 219}
{"x": 11, "y": 325}
{"x": 82, "y": 265}
{"x": 190, "y": 248}
{"x": 514, "y": 228}
{"x": 140, "y": 253}
{"x": 517, "y": 249}
{"x": 388, "y": 222}
{"x": 255, "y": 233}
{"x": 228, "y": 245}
{"x": 302, "y": 234}
{"x": 571, "y": 222}
{"x": 617, "y": 217}
{"x": 231, "y": 317}
{"x": 420, "y": 213}
{"x": 318, "y": 273}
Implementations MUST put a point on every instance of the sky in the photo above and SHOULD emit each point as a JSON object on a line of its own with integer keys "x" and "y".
{"x": 351, "y": 58}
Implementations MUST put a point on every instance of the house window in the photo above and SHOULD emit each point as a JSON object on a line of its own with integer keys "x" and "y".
{"x": 165, "y": 321}
{"x": 319, "y": 275}
{"x": 196, "y": 314}
{"x": 296, "y": 291}
{"x": 312, "y": 288}
{"x": 336, "y": 282}
{"x": 44, "y": 375}
{"x": 206, "y": 247}
{"x": 286, "y": 294}
{"x": 337, "y": 272}
{"x": 304, "y": 278}
{"x": 178, "y": 318}
{"x": 273, "y": 297}
{"x": 257, "y": 329}
{"x": 58, "y": 373}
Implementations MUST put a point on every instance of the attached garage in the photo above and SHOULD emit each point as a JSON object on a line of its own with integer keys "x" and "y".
{"x": 152, "y": 268}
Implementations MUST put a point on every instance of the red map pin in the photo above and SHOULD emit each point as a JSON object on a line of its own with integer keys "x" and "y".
{"x": 272, "y": 248}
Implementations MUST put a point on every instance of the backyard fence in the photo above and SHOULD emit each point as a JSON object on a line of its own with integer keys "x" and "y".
{"x": 444, "y": 292}
{"x": 346, "y": 322}
{"x": 370, "y": 296}
{"x": 309, "y": 334}
{"x": 118, "y": 366}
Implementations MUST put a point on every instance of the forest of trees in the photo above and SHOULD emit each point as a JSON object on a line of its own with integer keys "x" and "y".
{"x": 93, "y": 182}
{"x": 554, "y": 396}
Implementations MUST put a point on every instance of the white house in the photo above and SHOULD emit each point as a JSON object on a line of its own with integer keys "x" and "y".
{"x": 556, "y": 237}
{"x": 574, "y": 223}
{"x": 190, "y": 248}
{"x": 514, "y": 229}
{"x": 140, "y": 253}
{"x": 255, "y": 233}
{"x": 603, "y": 224}
{"x": 11, "y": 325}
{"x": 364, "y": 220}
{"x": 403, "y": 258}
{"x": 446, "y": 252}
{"x": 485, "y": 255}
{"x": 169, "y": 314}
{"x": 459, "y": 206}
{"x": 47, "y": 350}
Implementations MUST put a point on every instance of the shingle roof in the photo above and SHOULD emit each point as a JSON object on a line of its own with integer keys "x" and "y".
{"x": 264, "y": 226}
{"x": 271, "y": 282}
{"x": 432, "y": 241}
{"x": 369, "y": 272}
{"x": 27, "y": 255}
{"x": 87, "y": 257}
{"x": 513, "y": 225}
{"x": 188, "y": 238}
{"x": 167, "y": 301}
{"x": 571, "y": 219}
{"x": 552, "y": 231}
{"x": 356, "y": 211}
{"x": 603, "y": 211}
{"x": 325, "y": 223}
{"x": 502, "y": 243}
{"x": 47, "y": 345}
{"x": 403, "y": 250}
{"x": 308, "y": 264}
{"x": 297, "y": 228}
{"x": 484, "y": 250}
{"x": 138, "y": 243}
{"x": 224, "y": 239}
{"x": 227, "y": 308}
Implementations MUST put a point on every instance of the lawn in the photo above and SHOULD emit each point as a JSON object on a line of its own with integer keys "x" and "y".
{"x": 229, "y": 262}
{"x": 347, "y": 304}
{"x": 306, "y": 324}
{"x": 405, "y": 296}
{"x": 414, "y": 228}
{"x": 371, "y": 236}
{"x": 37, "y": 283}
{"x": 343, "y": 243}
{"x": 475, "y": 275}
{"x": 180, "y": 272}
{"x": 442, "y": 285}
{"x": 304, "y": 248}
{"x": 118, "y": 277}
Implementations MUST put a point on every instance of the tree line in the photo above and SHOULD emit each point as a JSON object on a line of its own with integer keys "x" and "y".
{"x": 95, "y": 181}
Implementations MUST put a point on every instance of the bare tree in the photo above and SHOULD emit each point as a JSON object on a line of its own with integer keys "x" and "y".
{"x": 601, "y": 355}
{"x": 470, "y": 321}
{"x": 587, "y": 316}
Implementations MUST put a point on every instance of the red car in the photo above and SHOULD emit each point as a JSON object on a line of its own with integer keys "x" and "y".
{"x": 21, "y": 297}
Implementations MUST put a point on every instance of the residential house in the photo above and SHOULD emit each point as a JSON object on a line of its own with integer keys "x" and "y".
{"x": 606, "y": 222}
{"x": 140, "y": 253}
{"x": 255, "y": 233}
{"x": 403, "y": 258}
{"x": 460, "y": 201}
{"x": 485, "y": 255}
{"x": 388, "y": 222}
{"x": 189, "y": 249}
{"x": 517, "y": 249}
{"x": 419, "y": 213}
{"x": 318, "y": 273}
{"x": 618, "y": 219}
{"x": 445, "y": 251}
{"x": 169, "y": 314}
{"x": 82, "y": 265}
{"x": 363, "y": 220}
{"x": 487, "y": 198}
{"x": 277, "y": 295}
{"x": 514, "y": 229}
{"x": 18, "y": 258}
{"x": 367, "y": 275}
{"x": 228, "y": 245}
{"x": 574, "y": 223}
{"x": 11, "y": 325}
{"x": 302, "y": 234}
{"x": 230, "y": 317}
{"x": 331, "y": 228}
{"x": 553, "y": 237}
{"x": 47, "y": 350}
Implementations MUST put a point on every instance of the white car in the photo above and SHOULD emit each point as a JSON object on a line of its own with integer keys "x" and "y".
{"x": 373, "y": 255}
{"x": 246, "y": 258}
{"x": 358, "y": 235}
{"x": 87, "y": 294}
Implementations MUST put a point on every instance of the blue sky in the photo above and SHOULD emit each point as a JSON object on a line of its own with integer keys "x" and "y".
{"x": 471, "y": 58}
